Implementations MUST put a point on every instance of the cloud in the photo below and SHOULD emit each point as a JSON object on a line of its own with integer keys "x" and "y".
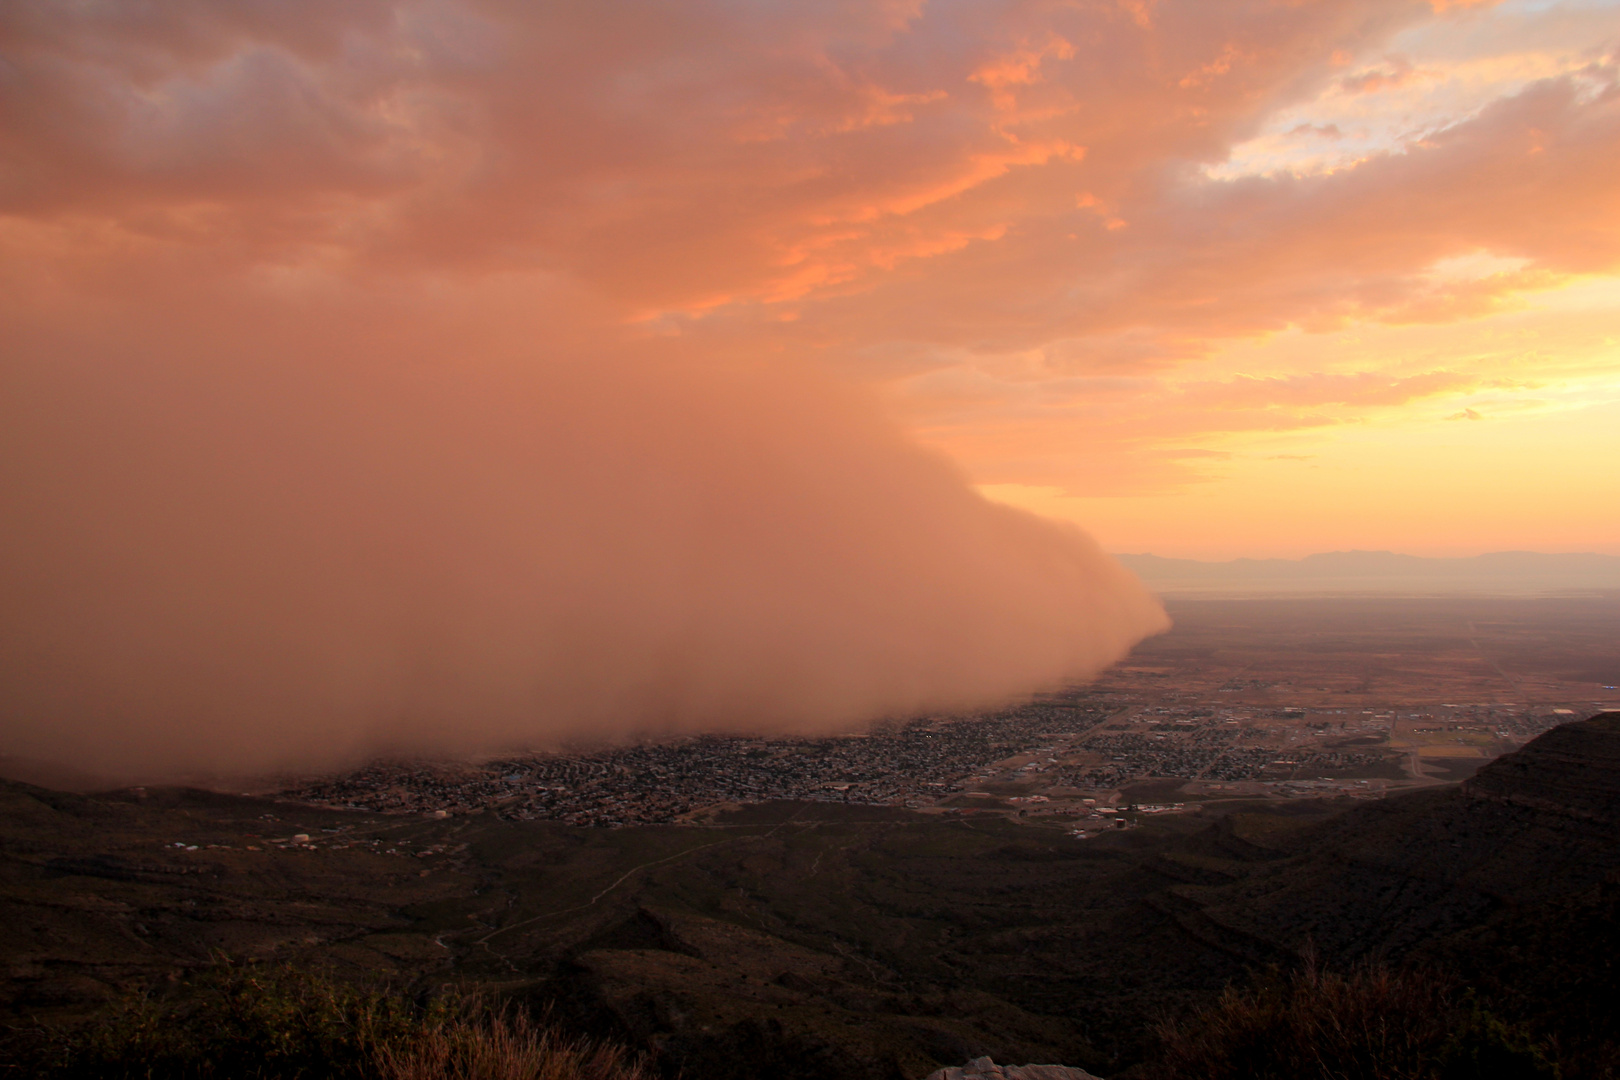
{"x": 1319, "y": 389}
{"x": 251, "y": 531}
{"x": 713, "y": 160}
{"x": 1325, "y": 131}
{"x": 277, "y": 242}
{"x": 1397, "y": 71}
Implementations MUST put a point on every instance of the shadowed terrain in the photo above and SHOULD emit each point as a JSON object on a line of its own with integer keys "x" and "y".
{"x": 804, "y": 939}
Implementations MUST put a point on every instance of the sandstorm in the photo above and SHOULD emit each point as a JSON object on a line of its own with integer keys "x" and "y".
{"x": 285, "y": 542}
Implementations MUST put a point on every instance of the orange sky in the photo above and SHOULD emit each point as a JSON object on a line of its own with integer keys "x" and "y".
{"x": 1211, "y": 279}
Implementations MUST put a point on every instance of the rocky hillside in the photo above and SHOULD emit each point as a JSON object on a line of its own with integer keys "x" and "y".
{"x": 1572, "y": 771}
{"x": 1511, "y": 881}
{"x": 807, "y": 941}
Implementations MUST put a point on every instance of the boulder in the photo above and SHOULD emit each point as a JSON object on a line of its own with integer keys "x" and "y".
{"x": 986, "y": 1069}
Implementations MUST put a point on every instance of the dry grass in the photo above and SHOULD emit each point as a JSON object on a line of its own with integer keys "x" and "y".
{"x": 502, "y": 1047}
{"x": 1374, "y": 1023}
{"x": 256, "y": 1022}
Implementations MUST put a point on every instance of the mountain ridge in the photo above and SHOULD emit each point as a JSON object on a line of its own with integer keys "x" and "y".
{"x": 1498, "y": 568}
{"x": 806, "y": 941}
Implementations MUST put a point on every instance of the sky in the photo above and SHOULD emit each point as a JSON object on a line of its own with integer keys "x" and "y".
{"x": 735, "y": 360}
{"x": 1209, "y": 279}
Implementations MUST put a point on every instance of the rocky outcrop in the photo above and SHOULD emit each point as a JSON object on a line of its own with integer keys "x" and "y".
{"x": 986, "y": 1069}
{"x": 1439, "y": 870}
{"x": 1572, "y": 770}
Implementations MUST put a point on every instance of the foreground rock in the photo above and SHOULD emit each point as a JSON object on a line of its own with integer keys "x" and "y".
{"x": 985, "y": 1069}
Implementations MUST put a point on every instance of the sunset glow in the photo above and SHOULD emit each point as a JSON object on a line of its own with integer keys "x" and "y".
{"x": 1208, "y": 279}
{"x": 418, "y": 311}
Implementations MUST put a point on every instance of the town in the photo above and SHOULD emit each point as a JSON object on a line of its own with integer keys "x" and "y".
{"x": 1241, "y": 701}
{"x": 1066, "y": 754}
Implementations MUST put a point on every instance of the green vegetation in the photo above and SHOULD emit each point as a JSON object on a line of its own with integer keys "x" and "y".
{"x": 1374, "y": 1023}
{"x": 254, "y": 1022}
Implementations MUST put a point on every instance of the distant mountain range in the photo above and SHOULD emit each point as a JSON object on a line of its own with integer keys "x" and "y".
{"x": 1384, "y": 571}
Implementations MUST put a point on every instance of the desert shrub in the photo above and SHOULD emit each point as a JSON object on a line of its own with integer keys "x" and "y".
{"x": 1482, "y": 1047}
{"x": 255, "y": 1022}
{"x": 1372, "y": 1023}
{"x": 501, "y": 1047}
{"x": 251, "y": 1021}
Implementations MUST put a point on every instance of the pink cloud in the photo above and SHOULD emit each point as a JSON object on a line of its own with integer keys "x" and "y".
{"x": 997, "y": 211}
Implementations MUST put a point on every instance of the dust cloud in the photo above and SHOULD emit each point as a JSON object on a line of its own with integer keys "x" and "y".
{"x": 285, "y": 540}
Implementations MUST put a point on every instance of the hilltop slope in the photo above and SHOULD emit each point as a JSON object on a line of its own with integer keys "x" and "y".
{"x": 1511, "y": 881}
{"x": 808, "y": 940}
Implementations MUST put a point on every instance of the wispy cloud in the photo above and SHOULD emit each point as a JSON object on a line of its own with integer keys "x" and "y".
{"x": 1123, "y": 250}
